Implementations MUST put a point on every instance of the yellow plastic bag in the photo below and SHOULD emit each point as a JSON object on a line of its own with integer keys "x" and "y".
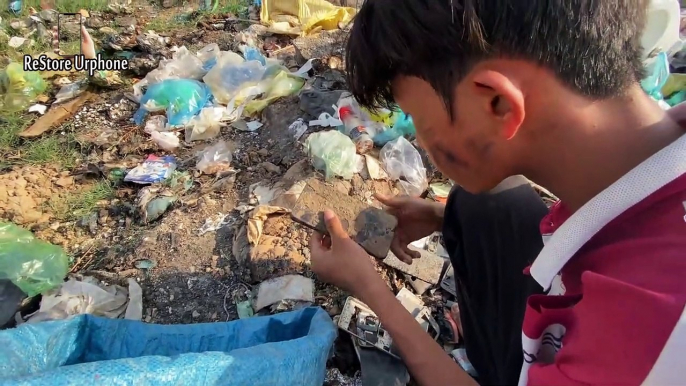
{"x": 313, "y": 15}
{"x": 274, "y": 88}
{"x": 675, "y": 83}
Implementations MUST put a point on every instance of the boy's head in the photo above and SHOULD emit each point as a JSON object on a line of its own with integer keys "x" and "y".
{"x": 485, "y": 80}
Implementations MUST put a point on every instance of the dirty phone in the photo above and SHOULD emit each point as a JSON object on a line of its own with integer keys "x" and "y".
{"x": 372, "y": 228}
{"x": 69, "y": 34}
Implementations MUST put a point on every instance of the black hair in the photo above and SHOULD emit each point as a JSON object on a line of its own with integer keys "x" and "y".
{"x": 593, "y": 46}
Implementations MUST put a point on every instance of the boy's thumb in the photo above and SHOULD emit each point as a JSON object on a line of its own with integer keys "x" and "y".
{"x": 333, "y": 225}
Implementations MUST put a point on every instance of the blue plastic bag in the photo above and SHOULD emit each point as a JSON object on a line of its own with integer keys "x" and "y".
{"x": 182, "y": 98}
{"x": 284, "y": 349}
{"x": 658, "y": 73}
{"x": 403, "y": 126}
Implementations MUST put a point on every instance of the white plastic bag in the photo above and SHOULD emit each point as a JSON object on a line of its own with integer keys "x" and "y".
{"x": 167, "y": 140}
{"x": 403, "y": 162}
{"x": 205, "y": 125}
{"x": 215, "y": 159}
{"x": 155, "y": 123}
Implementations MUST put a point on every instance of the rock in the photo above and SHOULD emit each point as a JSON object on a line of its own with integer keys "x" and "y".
{"x": 142, "y": 65}
{"x": 263, "y": 152}
{"x": 103, "y": 216}
{"x": 125, "y": 21}
{"x": 95, "y": 22}
{"x": 49, "y": 16}
{"x": 65, "y": 182}
{"x": 16, "y": 41}
{"x": 20, "y": 25}
{"x": 90, "y": 222}
{"x": 169, "y": 3}
{"x": 196, "y": 314}
{"x": 107, "y": 31}
{"x": 270, "y": 167}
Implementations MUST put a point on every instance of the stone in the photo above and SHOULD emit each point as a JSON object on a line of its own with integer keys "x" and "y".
{"x": 270, "y": 167}
{"x": 125, "y": 21}
{"x": 372, "y": 228}
{"x": 65, "y": 182}
{"x": 107, "y": 31}
{"x": 169, "y": 3}
{"x": 95, "y": 22}
{"x": 196, "y": 314}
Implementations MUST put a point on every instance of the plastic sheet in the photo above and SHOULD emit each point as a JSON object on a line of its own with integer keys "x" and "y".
{"x": 215, "y": 159}
{"x": 285, "y": 349}
{"x": 332, "y": 152}
{"x": 182, "y": 98}
{"x": 19, "y": 88}
{"x": 312, "y": 15}
{"x": 33, "y": 265}
{"x": 229, "y": 76}
{"x": 403, "y": 162}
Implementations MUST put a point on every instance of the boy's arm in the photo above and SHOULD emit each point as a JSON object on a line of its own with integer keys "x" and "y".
{"x": 425, "y": 359}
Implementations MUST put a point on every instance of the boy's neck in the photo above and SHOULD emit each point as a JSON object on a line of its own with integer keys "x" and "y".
{"x": 600, "y": 144}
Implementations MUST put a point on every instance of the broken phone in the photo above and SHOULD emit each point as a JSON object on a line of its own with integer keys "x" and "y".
{"x": 360, "y": 322}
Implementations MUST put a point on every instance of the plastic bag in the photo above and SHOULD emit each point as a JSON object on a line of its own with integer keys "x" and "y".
{"x": 402, "y": 126}
{"x": 658, "y": 73}
{"x": 215, "y": 158}
{"x": 71, "y": 91}
{"x": 311, "y": 14}
{"x": 155, "y": 123}
{"x": 166, "y": 141}
{"x": 228, "y": 77}
{"x": 205, "y": 125}
{"x": 182, "y": 98}
{"x": 281, "y": 85}
{"x": 182, "y": 65}
{"x": 288, "y": 349}
{"x": 403, "y": 162}
{"x": 252, "y": 53}
{"x": 332, "y": 152}
{"x": 31, "y": 264}
{"x": 19, "y": 88}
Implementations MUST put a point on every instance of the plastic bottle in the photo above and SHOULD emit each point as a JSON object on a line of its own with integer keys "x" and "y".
{"x": 356, "y": 130}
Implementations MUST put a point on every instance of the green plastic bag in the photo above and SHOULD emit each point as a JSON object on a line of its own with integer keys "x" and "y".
{"x": 332, "y": 152}
{"x": 19, "y": 88}
{"x": 31, "y": 264}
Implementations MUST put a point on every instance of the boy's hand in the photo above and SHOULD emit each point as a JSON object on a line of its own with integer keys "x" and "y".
{"x": 340, "y": 261}
{"x": 417, "y": 218}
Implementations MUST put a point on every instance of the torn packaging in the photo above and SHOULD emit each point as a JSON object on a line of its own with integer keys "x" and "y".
{"x": 370, "y": 227}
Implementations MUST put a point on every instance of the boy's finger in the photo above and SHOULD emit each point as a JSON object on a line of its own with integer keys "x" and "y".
{"x": 388, "y": 200}
{"x": 316, "y": 242}
{"x": 400, "y": 252}
{"x": 333, "y": 225}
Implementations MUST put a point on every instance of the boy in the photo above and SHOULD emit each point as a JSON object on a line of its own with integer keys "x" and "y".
{"x": 549, "y": 90}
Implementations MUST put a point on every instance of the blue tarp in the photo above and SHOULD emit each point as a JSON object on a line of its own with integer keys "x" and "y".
{"x": 284, "y": 349}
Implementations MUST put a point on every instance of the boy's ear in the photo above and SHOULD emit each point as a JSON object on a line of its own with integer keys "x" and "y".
{"x": 505, "y": 100}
